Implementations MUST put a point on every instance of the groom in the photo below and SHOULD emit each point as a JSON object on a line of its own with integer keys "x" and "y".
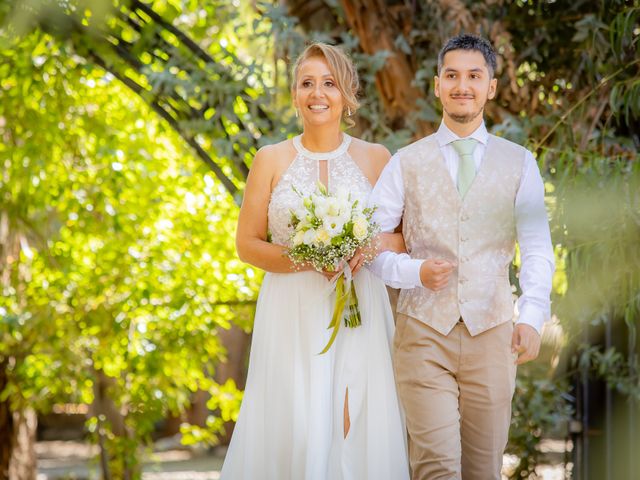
{"x": 465, "y": 198}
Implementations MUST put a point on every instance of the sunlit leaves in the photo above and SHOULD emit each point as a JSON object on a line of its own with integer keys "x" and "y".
{"x": 130, "y": 265}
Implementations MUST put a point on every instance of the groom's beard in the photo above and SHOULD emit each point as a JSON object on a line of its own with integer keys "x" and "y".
{"x": 465, "y": 118}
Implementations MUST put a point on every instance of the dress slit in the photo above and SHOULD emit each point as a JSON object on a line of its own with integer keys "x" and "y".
{"x": 347, "y": 419}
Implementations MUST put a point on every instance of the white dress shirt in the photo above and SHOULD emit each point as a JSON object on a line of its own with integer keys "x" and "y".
{"x": 532, "y": 228}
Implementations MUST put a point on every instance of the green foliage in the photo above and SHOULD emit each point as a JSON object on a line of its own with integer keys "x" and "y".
{"x": 123, "y": 261}
{"x": 225, "y": 399}
{"x": 597, "y": 222}
{"x": 208, "y": 84}
{"x": 539, "y": 407}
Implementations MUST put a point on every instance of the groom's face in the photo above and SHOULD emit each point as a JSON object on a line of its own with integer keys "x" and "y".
{"x": 464, "y": 85}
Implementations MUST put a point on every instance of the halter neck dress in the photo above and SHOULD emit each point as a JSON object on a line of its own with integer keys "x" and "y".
{"x": 290, "y": 425}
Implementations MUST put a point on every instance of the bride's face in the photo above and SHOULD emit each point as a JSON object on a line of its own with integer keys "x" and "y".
{"x": 316, "y": 94}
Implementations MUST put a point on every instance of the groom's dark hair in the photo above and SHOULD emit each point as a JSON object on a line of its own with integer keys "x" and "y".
{"x": 470, "y": 42}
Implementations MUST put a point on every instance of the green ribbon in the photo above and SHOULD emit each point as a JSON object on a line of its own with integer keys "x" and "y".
{"x": 341, "y": 301}
{"x": 344, "y": 295}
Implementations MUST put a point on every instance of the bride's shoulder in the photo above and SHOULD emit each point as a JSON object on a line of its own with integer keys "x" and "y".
{"x": 375, "y": 154}
{"x": 274, "y": 155}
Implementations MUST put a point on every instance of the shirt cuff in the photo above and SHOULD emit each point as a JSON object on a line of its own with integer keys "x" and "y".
{"x": 398, "y": 270}
{"x": 413, "y": 272}
{"x": 530, "y": 315}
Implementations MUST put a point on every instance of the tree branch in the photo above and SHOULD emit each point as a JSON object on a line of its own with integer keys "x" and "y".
{"x": 138, "y": 89}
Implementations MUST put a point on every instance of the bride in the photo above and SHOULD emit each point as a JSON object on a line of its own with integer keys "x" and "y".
{"x": 307, "y": 416}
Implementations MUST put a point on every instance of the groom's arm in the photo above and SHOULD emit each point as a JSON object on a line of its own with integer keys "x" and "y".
{"x": 398, "y": 270}
{"x": 536, "y": 250}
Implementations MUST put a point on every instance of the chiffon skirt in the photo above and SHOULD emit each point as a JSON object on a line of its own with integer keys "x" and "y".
{"x": 290, "y": 425}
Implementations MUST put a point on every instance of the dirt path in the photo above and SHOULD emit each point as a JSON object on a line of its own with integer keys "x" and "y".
{"x": 76, "y": 461}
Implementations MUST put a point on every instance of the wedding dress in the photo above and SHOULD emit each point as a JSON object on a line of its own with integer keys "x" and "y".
{"x": 290, "y": 425}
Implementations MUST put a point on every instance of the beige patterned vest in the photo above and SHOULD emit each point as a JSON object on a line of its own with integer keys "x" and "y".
{"x": 477, "y": 233}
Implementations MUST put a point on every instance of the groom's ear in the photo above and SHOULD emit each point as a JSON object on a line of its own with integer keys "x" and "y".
{"x": 493, "y": 85}
{"x": 436, "y": 86}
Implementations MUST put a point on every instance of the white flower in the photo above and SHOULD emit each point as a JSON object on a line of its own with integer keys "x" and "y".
{"x": 334, "y": 206}
{"x": 309, "y": 237}
{"x": 342, "y": 194}
{"x": 298, "y": 238}
{"x": 322, "y": 207}
{"x": 300, "y": 213}
{"x": 308, "y": 201}
{"x": 334, "y": 224}
{"x": 360, "y": 228}
{"x": 323, "y": 237}
{"x": 345, "y": 215}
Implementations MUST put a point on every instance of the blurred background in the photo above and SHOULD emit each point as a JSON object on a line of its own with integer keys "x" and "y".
{"x": 127, "y": 129}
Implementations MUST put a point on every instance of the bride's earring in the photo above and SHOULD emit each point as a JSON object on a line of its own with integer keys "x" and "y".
{"x": 296, "y": 112}
{"x": 348, "y": 111}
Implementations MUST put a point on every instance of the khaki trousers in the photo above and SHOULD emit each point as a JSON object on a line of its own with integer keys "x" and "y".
{"x": 456, "y": 391}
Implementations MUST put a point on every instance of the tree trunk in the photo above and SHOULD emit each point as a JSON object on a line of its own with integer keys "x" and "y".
{"x": 17, "y": 438}
{"x": 237, "y": 343}
{"x": 6, "y": 427}
{"x": 376, "y": 29}
{"x": 105, "y": 409}
{"x": 23, "y": 460}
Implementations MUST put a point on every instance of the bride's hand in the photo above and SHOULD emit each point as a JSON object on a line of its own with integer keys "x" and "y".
{"x": 382, "y": 242}
{"x": 364, "y": 254}
{"x": 329, "y": 274}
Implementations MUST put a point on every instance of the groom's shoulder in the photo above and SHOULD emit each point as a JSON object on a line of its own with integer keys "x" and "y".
{"x": 507, "y": 145}
{"x": 419, "y": 145}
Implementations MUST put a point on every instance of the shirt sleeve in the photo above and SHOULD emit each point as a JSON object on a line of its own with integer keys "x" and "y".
{"x": 536, "y": 250}
{"x": 398, "y": 270}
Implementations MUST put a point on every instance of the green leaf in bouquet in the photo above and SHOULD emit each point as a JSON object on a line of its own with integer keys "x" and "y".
{"x": 322, "y": 189}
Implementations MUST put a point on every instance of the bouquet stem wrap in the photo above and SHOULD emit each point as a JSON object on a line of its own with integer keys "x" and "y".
{"x": 326, "y": 231}
{"x": 345, "y": 298}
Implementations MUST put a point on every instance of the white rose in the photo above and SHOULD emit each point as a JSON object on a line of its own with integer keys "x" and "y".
{"x": 360, "y": 228}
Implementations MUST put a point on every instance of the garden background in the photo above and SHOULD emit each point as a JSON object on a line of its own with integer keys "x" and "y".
{"x": 127, "y": 129}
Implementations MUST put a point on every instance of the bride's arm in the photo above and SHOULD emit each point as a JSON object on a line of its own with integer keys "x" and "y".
{"x": 251, "y": 235}
{"x": 393, "y": 242}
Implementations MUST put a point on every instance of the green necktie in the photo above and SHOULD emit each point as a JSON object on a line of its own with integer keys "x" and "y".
{"x": 466, "y": 167}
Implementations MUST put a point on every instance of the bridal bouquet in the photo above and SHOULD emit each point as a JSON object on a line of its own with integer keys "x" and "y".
{"x": 327, "y": 230}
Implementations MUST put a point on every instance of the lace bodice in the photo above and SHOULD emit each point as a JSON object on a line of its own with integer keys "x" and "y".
{"x": 303, "y": 174}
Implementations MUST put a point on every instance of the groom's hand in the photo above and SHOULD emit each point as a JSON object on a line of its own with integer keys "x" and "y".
{"x": 435, "y": 273}
{"x": 525, "y": 342}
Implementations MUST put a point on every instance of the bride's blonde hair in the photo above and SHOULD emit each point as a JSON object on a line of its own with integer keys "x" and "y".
{"x": 341, "y": 67}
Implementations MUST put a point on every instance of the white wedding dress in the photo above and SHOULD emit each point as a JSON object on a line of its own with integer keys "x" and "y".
{"x": 290, "y": 425}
